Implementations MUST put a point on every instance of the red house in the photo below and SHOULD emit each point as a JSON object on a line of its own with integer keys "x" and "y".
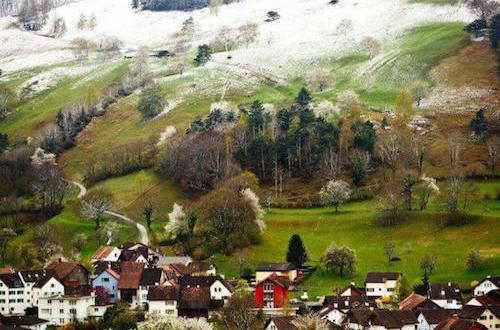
{"x": 272, "y": 292}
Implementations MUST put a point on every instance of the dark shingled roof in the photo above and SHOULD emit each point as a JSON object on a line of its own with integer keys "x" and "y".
{"x": 151, "y": 276}
{"x": 353, "y": 302}
{"x": 64, "y": 268}
{"x": 391, "y": 319}
{"x": 21, "y": 320}
{"x": 493, "y": 279}
{"x": 163, "y": 293}
{"x": 454, "y": 323}
{"x": 491, "y": 298}
{"x": 474, "y": 312}
{"x": 195, "y": 298}
{"x": 12, "y": 280}
{"x": 435, "y": 316}
{"x": 381, "y": 277}
{"x": 275, "y": 267}
{"x": 446, "y": 291}
{"x": 130, "y": 276}
{"x": 203, "y": 281}
{"x": 39, "y": 276}
{"x": 282, "y": 322}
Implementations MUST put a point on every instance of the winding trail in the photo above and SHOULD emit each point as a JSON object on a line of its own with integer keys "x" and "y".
{"x": 142, "y": 230}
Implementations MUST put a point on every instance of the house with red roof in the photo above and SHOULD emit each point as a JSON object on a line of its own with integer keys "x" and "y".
{"x": 272, "y": 292}
{"x": 106, "y": 253}
{"x": 71, "y": 274}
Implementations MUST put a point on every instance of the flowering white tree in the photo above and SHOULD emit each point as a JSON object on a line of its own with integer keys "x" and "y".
{"x": 326, "y": 109}
{"x": 371, "y": 46}
{"x": 253, "y": 200}
{"x": 335, "y": 193}
{"x": 177, "y": 222}
{"x": 310, "y": 321}
{"x": 427, "y": 187}
{"x": 348, "y": 100}
{"x": 156, "y": 321}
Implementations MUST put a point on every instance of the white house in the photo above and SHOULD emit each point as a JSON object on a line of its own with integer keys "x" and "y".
{"x": 40, "y": 282}
{"x": 487, "y": 285}
{"x": 62, "y": 309}
{"x": 489, "y": 316}
{"x": 428, "y": 319}
{"x": 220, "y": 289}
{"x": 381, "y": 284}
{"x": 13, "y": 296}
{"x": 263, "y": 271}
{"x": 163, "y": 299}
{"x": 446, "y": 295}
{"x": 106, "y": 253}
{"x": 332, "y": 314}
{"x": 280, "y": 323}
{"x": 46, "y": 288}
{"x": 96, "y": 312}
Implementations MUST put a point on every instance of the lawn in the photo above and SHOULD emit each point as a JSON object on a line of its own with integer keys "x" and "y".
{"x": 34, "y": 114}
{"x": 354, "y": 226}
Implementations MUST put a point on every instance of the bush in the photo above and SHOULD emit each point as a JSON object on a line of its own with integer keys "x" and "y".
{"x": 152, "y": 102}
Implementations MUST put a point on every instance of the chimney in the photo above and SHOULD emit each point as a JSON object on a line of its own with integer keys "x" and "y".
{"x": 442, "y": 292}
{"x": 449, "y": 283}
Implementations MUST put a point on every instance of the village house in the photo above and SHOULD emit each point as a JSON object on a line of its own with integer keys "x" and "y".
{"x": 381, "y": 284}
{"x": 332, "y": 315}
{"x": 62, "y": 309}
{"x": 108, "y": 280}
{"x": 129, "y": 281}
{"x": 272, "y": 292}
{"x": 428, "y": 319}
{"x": 196, "y": 302}
{"x": 486, "y": 285}
{"x": 415, "y": 302}
{"x": 456, "y": 323}
{"x": 163, "y": 299}
{"x": 198, "y": 268}
{"x": 446, "y": 295}
{"x": 13, "y": 297}
{"x": 352, "y": 291}
{"x": 263, "y": 271}
{"x": 489, "y": 316}
{"x": 23, "y": 322}
{"x": 106, "y": 253}
{"x": 345, "y": 303}
{"x": 280, "y": 323}
{"x": 491, "y": 298}
{"x": 150, "y": 277}
{"x": 219, "y": 288}
{"x": 382, "y": 319}
{"x": 70, "y": 273}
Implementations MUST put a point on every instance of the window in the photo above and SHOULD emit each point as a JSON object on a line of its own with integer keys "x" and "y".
{"x": 61, "y": 321}
{"x": 497, "y": 326}
{"x": 72, "y": 302}
{"x": 11, "y": 301}
{"x": 105, "y": 279}
{"x": 482, "y": 317}
{"x": 52, "y": 285}
{"x": 20, "y": 300}
{"x": 61, "y": 311}
{"x": 390, "y": 289}
{"x": 72, "y": 311}
{"x": 49, "y": 302}
{"x": 20, "y": 292}
{"x": 449, "y": 301}
{"x": 370, "y": 289}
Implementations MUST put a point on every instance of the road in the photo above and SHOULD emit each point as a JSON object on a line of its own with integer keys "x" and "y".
{"x": 142, "y": 230}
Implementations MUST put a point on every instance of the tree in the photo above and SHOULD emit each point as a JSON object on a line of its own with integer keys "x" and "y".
{"x": 389, "y": 251}
{"x": 419, "y": 90}
{"x": 428, "y": 264}
{"x": 342, "y": 259}
{"x": 493, "y": 144}
{"x": 360, "y": 162}
{"x": 483, "y": 8}
{"x": 479, "y": 124}
{"x": 335, "y": 193}
{"x": 304, "y": 98}
{"x": 79, "y": 241}
{"x": 296, "y": 253}
{"x": 4, "y": 142}
{"x": 238, "y": 312}
{"x": 214, "y": 6}
{"x": 225, "y": 39}
{"x": 248, "y": 33}
{"x": 402, "y": 290}
{"x": 152, "y": 102}
{"x": 272, "y": 16}
{"x": 348, "y": 103}
{"x": 403, "y": 109}
{"x": 474, "y": 260}
{"x": 6, "y": 234}
{"x": 389, "y": 203}
{"x": 423, "y": 287}
{"x": 82, "y": 22}
{"x": 203, "y": 56}
{"x": 50, "y": 187}
{"x": 58, "y": 28}
{"x": 371, "y": 46}
{"x": 135, "y": 4}
{"x": 180, "y": 227}
{"x": 426, "y": 187}
{"x": 310, "y": 322}
{"x": 6, "y": 98}
{"x": 157, "y": 321}
{"x": 92, "y": 22}
{"x": 147, "y": 211}
{"x": 96, "y": 203}
{"x": 319, "y": 79}
{"x": 43, "y": 237}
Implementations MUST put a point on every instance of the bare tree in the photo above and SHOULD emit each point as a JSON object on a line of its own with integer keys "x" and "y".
{"x": 371, "y": 46}
{"x": 50, "y": 188}
{"x": 388, "y": 148}
{"x": 248, "y": 33}
{"x": 80, "y": 48}
{"x": 419, "y": 90}
{"x": 493, "y": 144}
{"x": 319, "y": 79}
{"x": 6, "y": 96}
{"x": 483, "y": 8}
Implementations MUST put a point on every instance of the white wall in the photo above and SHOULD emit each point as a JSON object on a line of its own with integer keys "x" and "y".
{"x": 485, "y": 287}
{"x": 59, "y": 310}
{"x": 164, "y": 307}
{"x": 218, "y": 291}
{"x": 380, "y": 289}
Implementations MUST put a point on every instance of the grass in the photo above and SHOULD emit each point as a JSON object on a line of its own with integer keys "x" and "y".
{"x": 354, "y": 226}
{"x": 34, "y": 114}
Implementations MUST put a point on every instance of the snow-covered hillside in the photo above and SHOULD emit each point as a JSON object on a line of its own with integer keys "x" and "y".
{"x": 308, "y": 30}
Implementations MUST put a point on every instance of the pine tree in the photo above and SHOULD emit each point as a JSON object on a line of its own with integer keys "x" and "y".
{"x": 479, "y": 124}
{"x": 304, "y": 98}
{"x": 135, "y": 4}
{"x": 423, "y": 287}
{"x": 296, "y": 254}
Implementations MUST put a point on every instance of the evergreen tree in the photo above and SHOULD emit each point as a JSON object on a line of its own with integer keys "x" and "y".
{"x": 364, "y": 136}
{"x": 479, "y": 125}
{"x": 296, "y": 254}
{"x": 423, "y": 287}
{"x": 204, "y": 55}
{"x": 135, "y": 4}
{"x": 4, "y": 142}
{"x": 304, "y": 98}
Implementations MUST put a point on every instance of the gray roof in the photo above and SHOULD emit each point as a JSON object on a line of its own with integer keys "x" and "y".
{"x": 275, "y": 267}
{"x": 165, "y": 261}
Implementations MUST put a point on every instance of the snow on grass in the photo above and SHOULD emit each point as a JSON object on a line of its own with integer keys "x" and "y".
{"x": 308, "y": 30}
{"x": 50, "y": 78}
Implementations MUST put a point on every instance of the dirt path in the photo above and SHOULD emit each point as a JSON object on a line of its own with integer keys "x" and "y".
{"x": 142, "y": 230}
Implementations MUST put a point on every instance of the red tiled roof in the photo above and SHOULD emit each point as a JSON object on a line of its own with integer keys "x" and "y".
{"x": 64, "y": 268}
{"x": 411, "y": 302}
{"x": 103, "y": 252}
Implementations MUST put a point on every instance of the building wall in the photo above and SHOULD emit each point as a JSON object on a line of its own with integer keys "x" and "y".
{"x": 60, "y": 310}
{"x": 52, "y": 288}
{"x": 380, "y": 289}
{"x": 13, "y": 301}
{"x": 107, "y": 281}
{"x": 448, "y": 304}
{"x": 484, "y": 288}
{"x": 261, "y": 276}
{"x": 80, "y": 275}
{"x": 489, "y": 320}
{"x": 218, "y": 291}
{"x": 164, "y": 307}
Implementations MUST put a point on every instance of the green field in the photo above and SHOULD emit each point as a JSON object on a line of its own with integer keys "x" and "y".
{"x": 354, "y": 226}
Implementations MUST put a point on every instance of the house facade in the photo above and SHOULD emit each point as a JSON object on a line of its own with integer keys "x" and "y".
{"x": 381, "y": 284}
{"x": 108, "y": 279}
{"x": 272, "y": 292}
{"x": 106, "y": 253}
{"x": 163, "y": 299}
{"x": 487, "y": 285}
{"x": 446, "y": 295}
{"x": 62, "y": 309}
{"x": 428, "y": 319}
{"x": 14, "y": 298}
{"x": 489, "y": 316}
